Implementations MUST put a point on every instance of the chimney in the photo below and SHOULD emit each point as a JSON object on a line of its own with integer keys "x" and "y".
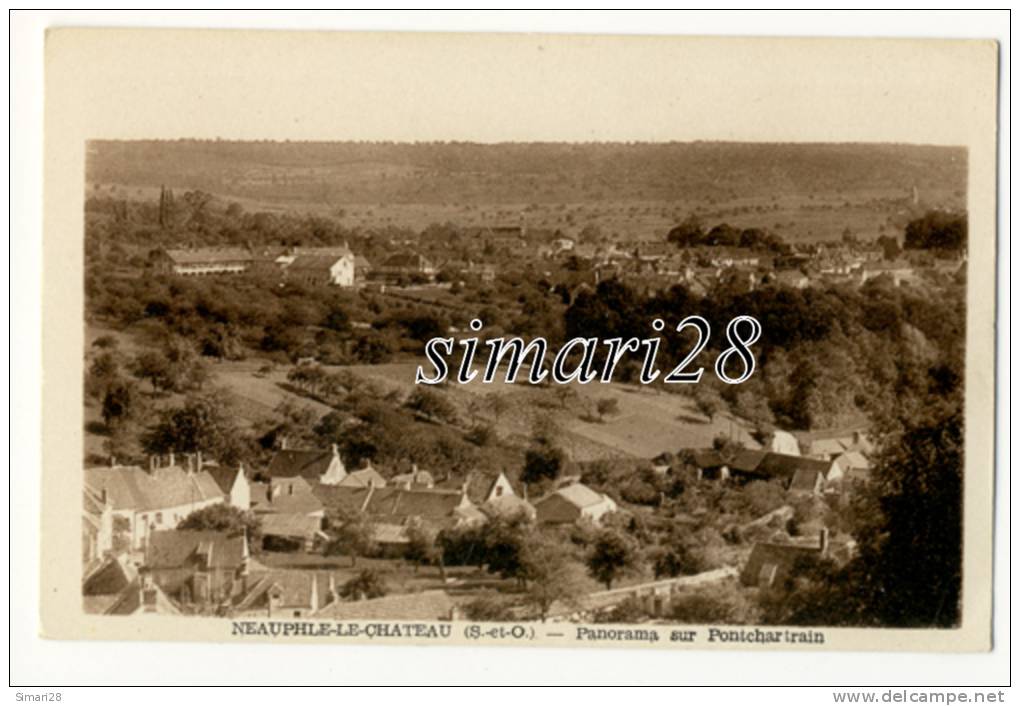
{"x": 152, "y": 462}
{"x": 823, "y": 541}
{"x": 283, "y": 442}
{"x": 113, "y": 461}
{"x": 336, "y": 451}
{"x": 198, "y": 460}
{"x": 524, "y": 491}
{"x": 171, "y": 459}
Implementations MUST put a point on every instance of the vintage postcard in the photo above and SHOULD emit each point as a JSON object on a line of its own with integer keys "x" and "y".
{"x": 577, "y": 341}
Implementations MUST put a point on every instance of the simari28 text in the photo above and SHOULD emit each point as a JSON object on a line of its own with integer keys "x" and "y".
{"x": 586, "y": 360}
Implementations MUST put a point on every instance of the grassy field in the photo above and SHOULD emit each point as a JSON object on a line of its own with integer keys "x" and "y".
{"x": 648, "y": 421}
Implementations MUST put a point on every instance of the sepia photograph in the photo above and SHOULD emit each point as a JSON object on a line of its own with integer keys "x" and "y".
{"x": 519, "y": 340}
{"x": 256, "y": 444}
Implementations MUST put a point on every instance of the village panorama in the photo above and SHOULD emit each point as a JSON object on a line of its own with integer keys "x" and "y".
{"x": 259, "y": 316}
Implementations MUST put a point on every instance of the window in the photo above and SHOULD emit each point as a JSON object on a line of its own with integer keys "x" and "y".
{"x": 159, "y": 518}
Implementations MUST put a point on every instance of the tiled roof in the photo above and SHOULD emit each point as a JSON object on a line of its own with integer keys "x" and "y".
{"x": 296, "y": 589}
{"x": 783, "y": 466}
{"x": 806, "y": 479}
{"x": 397, "y": 505}
{"x": 427, "y": 605}
{"x": 579, "y": 495}
{"x": 307, "y": 463}
{"x": 208, "y": 256}
{"x": 131, "y": 488}
{"x": 131, "y": 601}
{"x": 289, "y": 496}
{"x": 224, "y": 477}
{"x": 92, "y": 505}
{"x": 776, "y": 558}
{"x": 314, "y": 262}
{"x": 363, "y": 478}
{"x": 290, "y": 525}
{"x": 335, "y": 251}
{"x": 112, "y": 577}
{"x": 171, "y": 549}
{"x": 346, "y": 499}
{"x": 853, "y": 461}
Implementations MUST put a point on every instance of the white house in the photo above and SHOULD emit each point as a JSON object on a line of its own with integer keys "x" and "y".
{"x": 144, "y": 501}
{"x": 572, "y": 503}
{"x": 336, "y": 270}
{"x": 321, "y": 465}
{"x": 233, "y": 482}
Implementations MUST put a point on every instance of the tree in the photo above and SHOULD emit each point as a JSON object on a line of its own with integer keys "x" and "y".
{"x": 120, "y": 403}
{"x": 542, "y": 461}
{"x": 203, "y": 423}
{"x": 607, "y": 405}
{"x": 432, "y": 405}
{"x": 103, "y": 372}
{"x": 154, "y": 367}
{"x": 356, "y": 537}
{"x": 909, "y": 525}
{"x": 505, "y": 541}
{"x": 422, "y": 548}
{"x": 225, "y": 518}
{"x": 688, "y": 233}
{"x": 612, "y": 554}
{"x": 368, "y": 583}
{"x": 550, "y": 575}
{"x": 937, "y": 230}
{"x": 489, "y": 607}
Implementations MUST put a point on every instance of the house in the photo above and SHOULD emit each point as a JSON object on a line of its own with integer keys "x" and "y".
{"x": 415, "y": 478}
{"x": 782, "y": 442}
{"x": 290, "y": 513}
{"x": 423, "y": 606}
{"x": 133, "y": 593}
{"x": 850, "y": 465}
{"x": 434, "y": 508}
{"x": 366, "y": 477}
{"x": 234, "y": 485}
{"x": 406, "y": 265}
{"x": 284, "y": 594}
{"x": 96, "y": 525}
{"x": 713, "y": 464}
{"x": 830, "y": 443}
{"x": 145, "y": 501}
{"x": 897, "y": 272}
{"x": 807, "y": 481}
{"x": 362, "y": 268}
{"x": 771, "y": 563}
{"x": 105, "y": 583}
{"x": 571, "y": 503}
{"x": 501, "y": 500}
{"x": 291, "y": 531}
{"x": 805, "y": 472}
{"x": 202, "y": 569}
{"x": 797, "y": 473}
{"x": 201, "y": 261}
{"x": 322, "y": 270}
{"x": 319, "y": 465}
{"x": 394, "y": 511}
